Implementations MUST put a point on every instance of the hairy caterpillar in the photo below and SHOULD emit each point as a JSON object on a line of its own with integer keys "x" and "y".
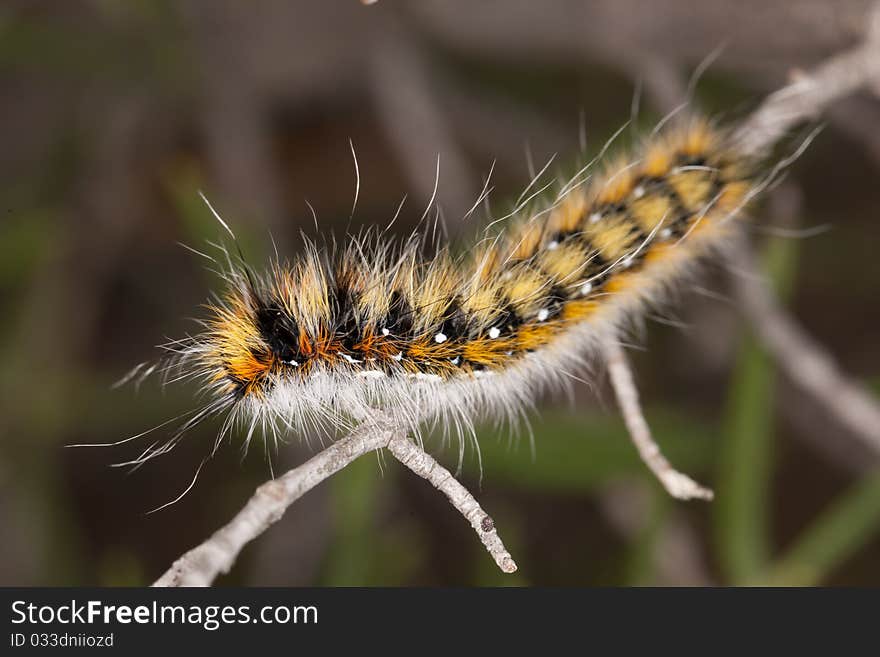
{"x": 341, "y": 332}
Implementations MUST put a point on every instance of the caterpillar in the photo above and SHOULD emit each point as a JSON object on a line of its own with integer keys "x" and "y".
{"x": 436, "y": 339}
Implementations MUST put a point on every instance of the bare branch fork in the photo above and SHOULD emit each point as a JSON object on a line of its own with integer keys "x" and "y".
{"x": 804, "y": 98}
{"x": 201, "y": 565}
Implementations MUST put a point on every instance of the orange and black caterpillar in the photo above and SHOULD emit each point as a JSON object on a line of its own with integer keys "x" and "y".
{"x": 341, "y": 332}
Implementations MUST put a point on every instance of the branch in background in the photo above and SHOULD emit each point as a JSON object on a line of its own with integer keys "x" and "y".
{"x": 858, "y": 119}
{"x": 415, "y": 125}
{"x": 201, "y": 565}
{"x": 677, "y": 484}
{"x": 803, "y": 360}
{"x": 755, "y": 299}
{"x": 809, "y": 94}
{"x": 235, "y": 122}
{"x": 675, "y": 557}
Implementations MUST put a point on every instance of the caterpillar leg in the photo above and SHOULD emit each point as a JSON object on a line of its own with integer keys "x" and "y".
{"x": 676, "y": 483}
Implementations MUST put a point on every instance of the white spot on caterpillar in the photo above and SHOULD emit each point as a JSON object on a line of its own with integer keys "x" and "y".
{"x": 385, "y": 331}
{"x": 349, "y": 359}
{"x": 552, "y": 246}
{"x": 398, "y": 357}
{"x": 639, "y": 192}
{"x": 494, "y": 332}
{"x": 440, "y": 338}
{"x": 586, "y": 288}
{"x": 665, "y": 234}
{"x": 595, "y": 217}
{"x": 543, "y": 314}
{"x": 291, "y": 362}
{"x": 455, "y": 361}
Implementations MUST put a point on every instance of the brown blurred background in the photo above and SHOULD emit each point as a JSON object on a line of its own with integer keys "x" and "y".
{"x": 116, "y": 113}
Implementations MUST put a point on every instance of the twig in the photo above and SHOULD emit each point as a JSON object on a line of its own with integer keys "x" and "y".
{"x": 201, "y": 565}
{"x": 424, "y": 465}
{"x": 677, "y": 484}
{"x": 809, "y": 94}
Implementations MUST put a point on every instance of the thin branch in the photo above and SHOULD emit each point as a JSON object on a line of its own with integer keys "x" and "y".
{"x": 835, "y": 401}
{"x": 424, "y": 465}
{"x": 809, "y": 94}
{"x": 201, "y": 565}
{"x": 677, "y": 484}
